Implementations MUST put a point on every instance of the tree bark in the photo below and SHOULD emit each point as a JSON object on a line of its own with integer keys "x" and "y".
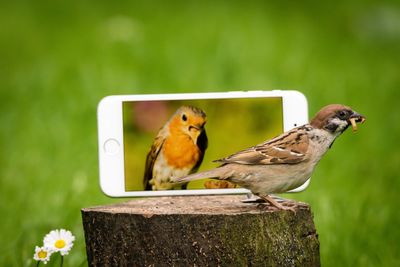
{"x": 199, "y": 231}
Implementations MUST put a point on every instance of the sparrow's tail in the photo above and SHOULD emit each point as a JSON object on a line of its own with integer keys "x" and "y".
{"x": 196, "y": 176}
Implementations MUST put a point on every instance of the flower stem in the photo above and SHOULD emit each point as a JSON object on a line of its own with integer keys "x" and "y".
{"x": 37, "y": 265}
{"x": 62, "y": 261}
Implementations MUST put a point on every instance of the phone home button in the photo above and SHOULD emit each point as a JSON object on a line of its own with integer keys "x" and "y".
{"x": 111, "y": 146}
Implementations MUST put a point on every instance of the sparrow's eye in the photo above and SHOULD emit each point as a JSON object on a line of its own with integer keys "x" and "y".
{"x": 184, "y": 117}
{"x": 342, "y": 114}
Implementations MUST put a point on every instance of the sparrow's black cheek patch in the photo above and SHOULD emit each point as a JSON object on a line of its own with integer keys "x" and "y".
{"x": 331, "y": 127}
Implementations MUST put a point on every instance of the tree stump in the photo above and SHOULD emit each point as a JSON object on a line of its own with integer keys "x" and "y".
{"x": 199, "y": 231}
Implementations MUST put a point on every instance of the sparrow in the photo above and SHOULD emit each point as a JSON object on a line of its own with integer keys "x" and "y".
{"x": 177, "y": 150}
{"x": 286, "y": 161}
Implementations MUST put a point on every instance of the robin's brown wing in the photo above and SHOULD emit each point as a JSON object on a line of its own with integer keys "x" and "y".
{"x": 288, "y": 148}
{"x": 151, "y": 159}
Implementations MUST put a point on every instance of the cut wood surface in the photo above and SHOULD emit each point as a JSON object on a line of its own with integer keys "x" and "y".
{"x": 199, "y": 231}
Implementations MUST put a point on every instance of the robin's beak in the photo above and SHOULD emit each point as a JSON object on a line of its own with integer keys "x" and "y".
{"x": 192, "y": 127}
{"x": 356, "y": 118}
{"x": 197, "y": 127}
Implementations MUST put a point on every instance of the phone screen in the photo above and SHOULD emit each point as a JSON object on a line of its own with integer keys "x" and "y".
{"x": 231, "y": 125}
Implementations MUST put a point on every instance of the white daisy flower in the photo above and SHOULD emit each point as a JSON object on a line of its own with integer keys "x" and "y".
{"x": 59, "y": 240}
{"x": 42, "y": 254}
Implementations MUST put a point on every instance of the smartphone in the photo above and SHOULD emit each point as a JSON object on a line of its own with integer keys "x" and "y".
{"x": 128, "y": 125}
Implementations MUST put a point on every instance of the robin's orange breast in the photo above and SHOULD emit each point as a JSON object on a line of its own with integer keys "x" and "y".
{"x": 180, "y": 151}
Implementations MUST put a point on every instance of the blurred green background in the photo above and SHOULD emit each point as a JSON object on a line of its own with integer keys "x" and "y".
{"x": 58, "y": 59}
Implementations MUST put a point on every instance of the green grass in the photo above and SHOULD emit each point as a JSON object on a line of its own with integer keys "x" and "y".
{"x": 57, "y": 60}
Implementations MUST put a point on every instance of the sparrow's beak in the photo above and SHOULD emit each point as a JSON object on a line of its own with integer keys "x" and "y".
{"x": 354, "y": 119}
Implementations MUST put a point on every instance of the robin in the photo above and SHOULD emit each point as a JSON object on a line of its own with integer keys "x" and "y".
{"x": 177, "y": 150}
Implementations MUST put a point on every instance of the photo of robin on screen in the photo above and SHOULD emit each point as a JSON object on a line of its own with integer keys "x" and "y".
{"x": 177, "y": 150}
{"x": 164, "y": 140}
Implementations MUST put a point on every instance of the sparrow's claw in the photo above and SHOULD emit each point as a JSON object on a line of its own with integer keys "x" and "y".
{"x": 276, "y": 204}
{"x": 282, "y": 204}
{"x": 268, "y": 206}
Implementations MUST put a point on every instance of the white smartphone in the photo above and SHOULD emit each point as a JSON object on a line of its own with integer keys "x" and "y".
{"x": 128, "y": 125}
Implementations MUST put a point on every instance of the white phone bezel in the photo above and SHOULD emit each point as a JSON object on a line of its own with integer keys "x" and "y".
{"x": 110, "y": 136}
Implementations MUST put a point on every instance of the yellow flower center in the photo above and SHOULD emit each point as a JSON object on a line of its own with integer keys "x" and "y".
{"x": 59, "y": 243}
{"x": 42, "y": 254}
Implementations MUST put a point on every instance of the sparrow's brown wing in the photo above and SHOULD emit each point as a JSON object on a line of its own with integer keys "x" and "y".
{"x": 151, "y": 159}
{"x": 288, "y": 148}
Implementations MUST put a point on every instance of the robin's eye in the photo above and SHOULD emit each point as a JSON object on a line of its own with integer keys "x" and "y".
{"x": 184, "y": 117}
